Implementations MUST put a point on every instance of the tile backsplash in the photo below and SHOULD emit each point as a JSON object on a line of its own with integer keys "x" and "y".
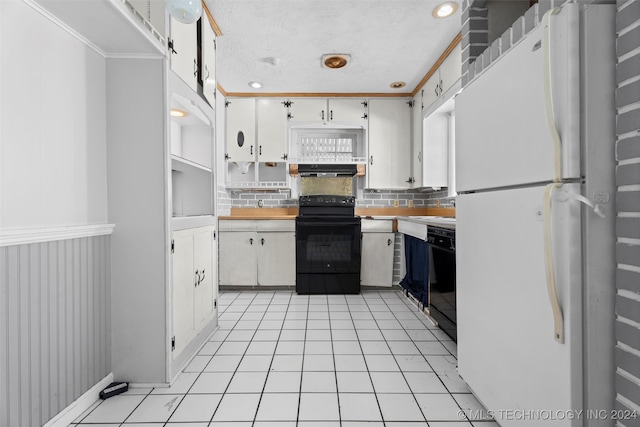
{"x": 367, "y": 198}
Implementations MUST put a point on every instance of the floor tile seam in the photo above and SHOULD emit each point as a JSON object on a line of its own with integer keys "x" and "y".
{"x": 145, "y": 398}
{"x": 402, "y": 372}
{"x": 264, "y": 386}
{"x": 235, "y": 372}
{"x": 421, "y": 353}
{"x": 368, "y": 371}
{"x": 304, "y": 343}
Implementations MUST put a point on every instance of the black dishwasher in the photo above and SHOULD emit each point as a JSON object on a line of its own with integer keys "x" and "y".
{"x": 442, "y": 284}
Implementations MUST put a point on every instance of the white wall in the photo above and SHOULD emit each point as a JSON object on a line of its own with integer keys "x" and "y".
{"x": 52, "y": 124}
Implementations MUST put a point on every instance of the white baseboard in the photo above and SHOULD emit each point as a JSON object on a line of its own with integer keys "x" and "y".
{"x": 81, "y": 404}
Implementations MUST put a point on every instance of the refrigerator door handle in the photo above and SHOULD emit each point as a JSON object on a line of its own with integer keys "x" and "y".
{"x": 548, "y": 95}
{"x": 563, "y": 196}
{"x": 558, "y": 319}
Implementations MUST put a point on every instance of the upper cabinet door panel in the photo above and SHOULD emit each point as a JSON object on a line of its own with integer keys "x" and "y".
{"x": 308, "y": 110}
{"x": 451, "y": 69}
{"x": 241, "y": 129}
{"x": 208, "y": 61}
{"x": 352, "y": 110}
{"x": 389, "y": 143}
{"x": 185, "y": 52}
{"x": 272, "y": 129}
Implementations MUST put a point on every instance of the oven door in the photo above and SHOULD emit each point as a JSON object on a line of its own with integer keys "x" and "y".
{"x": 328, "y": 245}
{"x": 328, "y": 255}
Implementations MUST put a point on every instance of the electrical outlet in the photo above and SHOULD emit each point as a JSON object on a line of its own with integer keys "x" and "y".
{"x": 410, "y": 203}
{"x": 396, "y": 203}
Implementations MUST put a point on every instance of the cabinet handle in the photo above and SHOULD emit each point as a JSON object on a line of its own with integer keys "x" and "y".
{"x": 202, "y": 278}
{"x": 371, "y": 161}
{"x": 389, "y": 242}
{"x": 171, "y": 45}
{"x": 365, "y": 116}
{"x": 260, "y": 150}
{"x": 251, "y": 150}
{"x": 440, "y": 87}
{"x": 322, "y": 114}
{"x": 262, "y": 241}
{"x": 330, "y": 114}
{"x": 437, "y": 87}
{"x": 251, "y": 241}
{"x": 206, "y": 68}
{"x": 420, "y": 156}
{"x": 195, "y": 67}
{"x": 197, "y": 278}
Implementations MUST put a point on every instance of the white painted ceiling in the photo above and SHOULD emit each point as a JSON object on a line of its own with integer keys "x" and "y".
{"x": 388, "y": 40}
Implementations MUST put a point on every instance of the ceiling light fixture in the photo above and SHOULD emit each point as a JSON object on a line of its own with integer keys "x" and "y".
{"x": 255, "y": 85}
{"x": 178, "y": 113}
{"x": 335, "y": 60}
{"x": 397, "y": 85}
{"x": 273, "y": 61}
{"x": 185, "y": 11}
{"x": 445, "y": 9}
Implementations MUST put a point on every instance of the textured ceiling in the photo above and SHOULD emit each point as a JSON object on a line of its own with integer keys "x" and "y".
{"x": 388, "y": 40}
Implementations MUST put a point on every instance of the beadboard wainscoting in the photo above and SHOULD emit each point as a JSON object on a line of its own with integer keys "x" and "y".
{"x": 55, "y": 321}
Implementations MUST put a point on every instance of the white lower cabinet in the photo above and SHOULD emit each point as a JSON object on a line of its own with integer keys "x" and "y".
{"x": 194, "y": 284}
{"x": 377, "y": 259}
{"x": 257, "y": 253}
{"x": 377, "y": 252}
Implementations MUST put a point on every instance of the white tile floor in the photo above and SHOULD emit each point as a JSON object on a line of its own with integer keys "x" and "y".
{"x": 288, "y": 360}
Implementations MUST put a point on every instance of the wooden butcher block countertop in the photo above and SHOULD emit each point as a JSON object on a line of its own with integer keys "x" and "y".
{"x": 291, "y": 213}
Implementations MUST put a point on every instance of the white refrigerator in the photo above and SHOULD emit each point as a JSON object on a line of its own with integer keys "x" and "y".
{"x": 535, "y": 135}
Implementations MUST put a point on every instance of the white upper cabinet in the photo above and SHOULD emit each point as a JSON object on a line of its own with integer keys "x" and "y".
{"x": 272, "y": 129}
{"x": 208, "y": 48}
{"x": 444, "y": 77}
{"x": 308, "y": 110}
{"x": 184, "y": 52}
{"x": 451, "y": 69}
{"x": 389, "y": 143}
{"x": 344, "y": 110}
{"x": 241, "y": 129}
{"x": 416, "y": 141}
{"x": 437, "y": 138}
{"x": 348, "y": 110}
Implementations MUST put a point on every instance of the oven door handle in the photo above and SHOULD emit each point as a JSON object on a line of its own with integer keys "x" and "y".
{"x": 328, "y": 223}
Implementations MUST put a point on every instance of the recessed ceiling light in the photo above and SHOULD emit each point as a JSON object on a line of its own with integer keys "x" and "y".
{"x": 397, "y": 85}
{"x": 335, "y": 60}
{"x": 178, "y": 113}
{"x": 255, "y": 85}
{"x": 445, "y": 9}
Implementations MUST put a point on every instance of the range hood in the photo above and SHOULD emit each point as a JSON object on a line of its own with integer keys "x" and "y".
{"x": 327, "y": 169}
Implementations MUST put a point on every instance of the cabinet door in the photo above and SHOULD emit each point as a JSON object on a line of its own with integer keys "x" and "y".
{"x": 416, "y": 141}
{"x": 377, "y": 259}
{"x": 183, "y": 289}
{"x": 436, "y": 149}
{"x": 451, "y": 69}
{"x": 241, "y": 116}
{"x": 431, "y": 90}
{"x": 389, "y": 143}
{"x": 238, "y": 258}
{"x": 208, "y": 61}
{"x": 308, "y": 110}
{"x": 185, "y": 52}
{"x": 272, "y": 129}
{"x": 347, "y": 110}
{"x": 276, "y": 258}
{"x": 205, "y": 276}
